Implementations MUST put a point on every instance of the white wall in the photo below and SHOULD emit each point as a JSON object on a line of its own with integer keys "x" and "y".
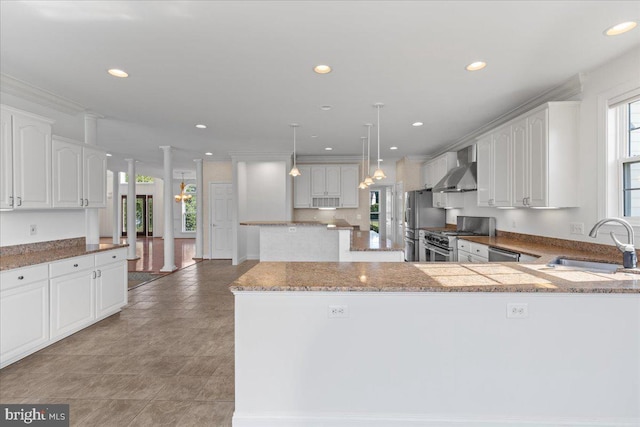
{"x": 555, "y": 223}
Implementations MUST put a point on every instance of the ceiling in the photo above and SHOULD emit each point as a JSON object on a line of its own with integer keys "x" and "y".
{"x": 244, "y": 68}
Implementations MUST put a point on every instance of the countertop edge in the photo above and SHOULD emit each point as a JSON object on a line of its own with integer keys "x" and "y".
{"x": 26, "y": 260}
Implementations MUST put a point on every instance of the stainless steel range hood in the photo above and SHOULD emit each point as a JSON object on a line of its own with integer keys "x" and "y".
{"x": 463, "y": 177}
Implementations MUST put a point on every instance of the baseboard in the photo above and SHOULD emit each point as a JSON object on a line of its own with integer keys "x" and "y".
{"x": 387, "y": 420}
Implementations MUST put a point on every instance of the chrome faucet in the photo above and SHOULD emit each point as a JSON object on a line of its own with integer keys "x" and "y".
{"x": 629, "y": 258}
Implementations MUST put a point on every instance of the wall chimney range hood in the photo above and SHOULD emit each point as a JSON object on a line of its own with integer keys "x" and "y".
{"x": 463, "y": 177}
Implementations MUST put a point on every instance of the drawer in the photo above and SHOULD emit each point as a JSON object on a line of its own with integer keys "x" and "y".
{"x": 107, "y": 257}
{"x": 480, "y": 250}
{"x": 464, "y": 245}
{"x": 22, "y": 276}
{"x": 71, "y": 265}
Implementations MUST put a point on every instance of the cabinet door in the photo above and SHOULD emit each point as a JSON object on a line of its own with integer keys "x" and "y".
{"x": 502, "y": 167}
{"x": 318, "y": 180}
{"x": 485, "y": 166}
{"x": 302, "y": 188}
{"x": 520, "y": 159}
{"x": 538, "y": 162}
{"x": 424, "y": 178}
{"x": 111, "y": 288}
{"x": 24, "y": 320}
{"x": 95, "y": 178}
{"x": 67, "y": 174}
{"x": 31, "y": 162}
{"x": 349, "y": 186}
{"x": 441, "y": 167}
{"x": 6, "y": 161}
{"x": 72, "y": 303}
{"x": 333, "y": 181}
{"x": 438, "y": 200}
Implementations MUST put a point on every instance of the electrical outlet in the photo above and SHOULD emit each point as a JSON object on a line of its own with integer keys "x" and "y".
{"x": 517, "y": 310}
{"x": 33, "y": 229}
{"x": 576, "y": 228}
{"x": 338, "y": 311}
{"x": 292, "y": 229}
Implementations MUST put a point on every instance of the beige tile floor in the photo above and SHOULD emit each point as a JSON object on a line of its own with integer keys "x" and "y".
{"x": 166, "y": 359}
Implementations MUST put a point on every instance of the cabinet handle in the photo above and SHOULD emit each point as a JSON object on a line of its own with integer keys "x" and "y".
{"x": 94, "y": 275}
{"x": 99, "y": 273}
{"x": 81, "y": 202}
{"x": 469, "y": 258}
{"x": 19, "y": 201}
{"x": 113, "y": 256}
{"x": 11, "y": 201}
{"x": 86, "y": 202}
{"x": 20, "y": 277}
{"x": 75, "y": 265}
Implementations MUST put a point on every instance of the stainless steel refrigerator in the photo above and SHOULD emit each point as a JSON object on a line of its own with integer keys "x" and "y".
{"x": 419, "y": 212}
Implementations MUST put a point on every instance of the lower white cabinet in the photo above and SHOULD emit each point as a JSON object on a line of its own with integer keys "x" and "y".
{"x": 24, "y": 312}
{"x": 472, "y": 251}
{"x": 72, "y": 303}
{"x": 111, "y": 288}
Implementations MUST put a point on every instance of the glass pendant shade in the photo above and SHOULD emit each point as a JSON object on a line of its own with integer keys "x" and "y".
{"x": 294, "y": 170}
{"x": 182, "y": 196}
{"x": 379, "y": 174}
{"x": 368, "y": 181}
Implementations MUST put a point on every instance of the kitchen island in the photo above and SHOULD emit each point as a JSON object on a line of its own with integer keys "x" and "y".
{"x": 335, "y": 240}
{"x": 398, "y": 344}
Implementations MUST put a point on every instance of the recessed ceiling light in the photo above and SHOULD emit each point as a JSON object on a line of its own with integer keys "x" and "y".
{"x": 208, "y": 153}
{"x": 621, "y": 28}
{"x": 117, "y": 73}
{"x": 199, "y": 126}
{"x": 393, "y": 148}
{"x": 416, "y": 124}
{"x": 328, "y": 148}
{"x": 381, "y": 160}
{"x": 322, "y": 69}
{"x": 314, "y": 136}
{"x": 475, "y": 66}
{"x": 109, "y": 154}
{"x": 326, "y": 107}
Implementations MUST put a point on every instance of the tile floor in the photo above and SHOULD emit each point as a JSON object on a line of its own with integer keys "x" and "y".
{"x": 166, "y": 359}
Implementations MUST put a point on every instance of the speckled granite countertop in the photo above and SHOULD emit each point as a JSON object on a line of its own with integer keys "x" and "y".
{"x": 371, "y": 241}
{"x": 42, "y": 252}
{"x": 336, "y": 224}
{"x": 429, "y": 277}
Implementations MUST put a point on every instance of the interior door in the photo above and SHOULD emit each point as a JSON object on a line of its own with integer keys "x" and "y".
{"x": 144, "y": 215}
{"x": 220, "y": 220}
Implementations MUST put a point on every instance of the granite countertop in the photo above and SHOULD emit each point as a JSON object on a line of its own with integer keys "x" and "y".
{"x": 429, "y": 277}
{"x": 335, "y": 224}
{"x": 371, "y": 241}
{"x": 43, "y": 252}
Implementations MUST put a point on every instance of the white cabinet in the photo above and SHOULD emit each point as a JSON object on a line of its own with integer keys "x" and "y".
{"x": 472, "y": 251}
{"x": 72, "y": 295}
{"x": 518, "y": 163}
{"x": 79, "y": 175}
{"x": 349, "y": 191}
{"x": 434, "y": 170}
{"x": 24, "y": 312}
{"x": 27, "y": 184}
{"x": 448, "y": 200}
{"x": 494, "y": 168}
{"x": 302, "y": 188}
{"x": 325, "y": 180}
{"x": 111, "y": 282}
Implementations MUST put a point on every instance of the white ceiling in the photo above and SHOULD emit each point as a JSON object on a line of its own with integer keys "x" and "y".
{"x": 244, "y": 68}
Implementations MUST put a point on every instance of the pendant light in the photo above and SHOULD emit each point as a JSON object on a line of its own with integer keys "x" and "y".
{"x": 368, "y": 180}
{"x": 294, "y": 170}
{"x": 379, "y": 173}
{"x": 179, "y": 198}
{"x": 362, "y": 185}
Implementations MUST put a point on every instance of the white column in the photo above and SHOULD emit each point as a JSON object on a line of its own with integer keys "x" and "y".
{"x": 199, "y": 209}
{"x": 169, "y": 255}
{"x": 92, "y": 217}
{"x": 131, "y": 210}
{"x": 115, "y": 194}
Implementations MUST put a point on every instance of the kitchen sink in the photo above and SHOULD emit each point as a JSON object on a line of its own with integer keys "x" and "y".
{"x": 575, "y": 264}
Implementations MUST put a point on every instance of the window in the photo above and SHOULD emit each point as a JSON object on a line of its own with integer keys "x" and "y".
{"x": 189, "y": 209}
{"x": 374, "y": 211}
{"x": 140, "y": 179}
{"x": 624, "y": 135}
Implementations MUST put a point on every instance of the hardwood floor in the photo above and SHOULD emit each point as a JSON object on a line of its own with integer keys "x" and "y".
{"x": 151, "y": 253}
{"x": 166, "y": 359}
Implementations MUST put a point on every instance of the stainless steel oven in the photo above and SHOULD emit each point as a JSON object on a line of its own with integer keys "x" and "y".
{"x": 435, "y": 253}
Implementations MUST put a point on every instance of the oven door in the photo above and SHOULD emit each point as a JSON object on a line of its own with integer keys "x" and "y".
{"x": 409, "y": 250}
{"x": 436, "y": 254}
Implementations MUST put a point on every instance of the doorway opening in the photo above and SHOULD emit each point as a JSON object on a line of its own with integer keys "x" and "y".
{"x": 144, "y": 215}
{"x": 374, "y": 211}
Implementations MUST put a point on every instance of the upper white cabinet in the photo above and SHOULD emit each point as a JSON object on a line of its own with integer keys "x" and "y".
{"x": 435, "y": 169}
{"x": 334, "y": 186}
{"x": 349, "y": 186}
{"x": 302, "y": 188}
{"x": 532, "y": 161}
{"x": 26, "y": 161}
{"x": 79, "y": 175}
{"x": 448, "y": 200}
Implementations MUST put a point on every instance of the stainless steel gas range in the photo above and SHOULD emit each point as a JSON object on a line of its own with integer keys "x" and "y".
{"x": 441, "y": 245}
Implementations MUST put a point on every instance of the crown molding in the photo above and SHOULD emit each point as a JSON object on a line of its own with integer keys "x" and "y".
{"x": 12, "y": 86}
{"x": 571, "y": 89}
{"x": 240, "y": 156}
